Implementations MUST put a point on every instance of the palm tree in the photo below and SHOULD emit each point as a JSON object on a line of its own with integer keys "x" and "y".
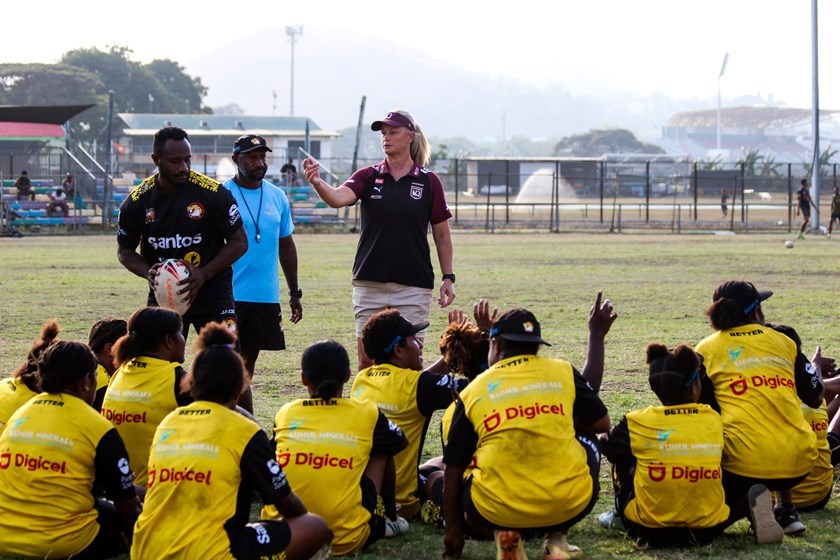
{"x": 825, "y": 159}
{"x": 711, "y": 164}
{"x": 750, "y": 159}
{"x": 770, "y": 167}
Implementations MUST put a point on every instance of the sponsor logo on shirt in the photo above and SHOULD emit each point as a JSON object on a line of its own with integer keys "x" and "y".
{"x": 30, "y": 462}
{"x": 124, "y": 417}
{"x": 262, "y": 534}
{"x": 520, "y": 412}
{"x": 819, "y": 426}
{"x": 740, "y": 385}
{"x": 747, "y": 333}
{"x": 233, "y": 212}
{"x": 122, "y": 464}
{"x": 195, "y": 210}
{"x": 150, "y": 215}
{"x": 658, "y": 473}
{"x": 193, "y": 258}
{"x": 175, "y": 242}
{"x": 314, "y": 460}
{"x": 177, "y": 476}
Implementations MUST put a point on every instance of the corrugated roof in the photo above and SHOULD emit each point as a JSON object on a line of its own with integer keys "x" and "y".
{"x": 220, "y": 124}
{"x": 29, "y": 131}
{"x": 743, "y": 117}
{"x": 49, "y": 114}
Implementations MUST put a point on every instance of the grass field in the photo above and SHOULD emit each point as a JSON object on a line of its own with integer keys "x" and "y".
{"x": 660, "y": 285}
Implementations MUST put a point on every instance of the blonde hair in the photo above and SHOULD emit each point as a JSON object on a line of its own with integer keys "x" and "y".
{"x": 420, "y": 150}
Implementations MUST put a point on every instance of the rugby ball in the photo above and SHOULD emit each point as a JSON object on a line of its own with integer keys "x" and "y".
{"x": 170, "y": 272}
{"x": 789, "y": 244}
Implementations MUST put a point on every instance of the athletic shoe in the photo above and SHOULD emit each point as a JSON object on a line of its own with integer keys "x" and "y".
{"x": 765, "y": 528}
{"x": 556, "y": 547}
{"x": 610, "y": 520}
{"x": 787, "y": 517}
{"x": 801, "y": 235}
{"x": 509, "y": 545}
{"x": 430, "y": 513}
{"x": 395, "y": 527}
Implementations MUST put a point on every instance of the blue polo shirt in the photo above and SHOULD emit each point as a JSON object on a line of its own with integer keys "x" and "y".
{"x": 256, "y": 274}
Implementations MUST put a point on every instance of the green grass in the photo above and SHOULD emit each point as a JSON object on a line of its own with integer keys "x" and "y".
{"x": 660, "y": 285}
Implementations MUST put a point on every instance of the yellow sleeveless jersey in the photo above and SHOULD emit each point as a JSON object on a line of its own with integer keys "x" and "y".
{"x": 394, "y": 390}
{"x": 13, "y": 394}
{"x": 47, "y": 469}
{"x": 765, "y": 434}
{"x": 140, "y": 395}
{"x": 677, "y": 481}
{"x": 820, "y": 480}
{"x": 197, "y": 467}
{"x": 327, "y": 445}
{"x": 529, "y": 470}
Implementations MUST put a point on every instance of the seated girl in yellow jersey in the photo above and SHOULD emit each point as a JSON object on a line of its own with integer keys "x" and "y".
{"x": 464, "y": 347}
{"x": 814, "y": 492}
{"x": 514, "y": 435}
{"x": 406, "y": 393}
{"x": 103, "y": 335}
{"x": 666, "y": 459}
{"x": 22, "y": 385}
{"x": 147, "y": 384}
{"x": 327, "y": 441}
{"x": 56, "y": 453}
{"x": 206, "y": 462}
{"x": 758, "y": 383}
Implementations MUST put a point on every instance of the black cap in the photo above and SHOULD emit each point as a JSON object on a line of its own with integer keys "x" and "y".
{"x": 248, "y": 143}
{"x": 405, "y": 329}
{"x": 744, "y": 294}
{"x": 518, "y": 325}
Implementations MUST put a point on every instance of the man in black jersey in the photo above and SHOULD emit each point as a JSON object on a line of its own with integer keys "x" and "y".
{"x": 179, "y": 213}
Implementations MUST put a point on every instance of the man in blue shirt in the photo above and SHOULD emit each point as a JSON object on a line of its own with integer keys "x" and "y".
{"x": 256, "y": 281}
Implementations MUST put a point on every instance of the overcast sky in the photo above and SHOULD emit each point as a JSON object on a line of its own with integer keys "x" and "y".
{"x": 675, "y": 47}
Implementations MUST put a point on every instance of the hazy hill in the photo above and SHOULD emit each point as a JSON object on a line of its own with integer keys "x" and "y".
{"x": 335, "y": 68}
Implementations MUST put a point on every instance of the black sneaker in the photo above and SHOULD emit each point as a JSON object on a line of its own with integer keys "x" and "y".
{"x": 787, "y": 517}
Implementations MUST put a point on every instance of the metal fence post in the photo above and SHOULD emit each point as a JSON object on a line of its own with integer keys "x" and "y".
{"x": 647, "y": 191}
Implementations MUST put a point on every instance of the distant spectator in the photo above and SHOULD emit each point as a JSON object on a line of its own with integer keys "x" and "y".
{"x": 724, "y": 198}
{"x": 58, "y": 201}
{"x": 805, "y": 202}
{"x": 289, "y": 172}
{"x": 24, "y": 187}
{"x": 69, "y": 186}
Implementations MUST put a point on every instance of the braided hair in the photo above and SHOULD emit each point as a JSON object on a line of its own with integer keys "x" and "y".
{"x": 673, "y": 373}
{"x": 217, "y": 373}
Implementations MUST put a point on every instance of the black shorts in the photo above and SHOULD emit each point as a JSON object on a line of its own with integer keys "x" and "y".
{"x": 226, "y": 316}
{"x": 109, "y": 541}
{"x": 736, "y": 488}
{"x": 259, "y": 539}
{"x": 806, "y": 211}
{"x": 593, "y": 460}
{"x": 260, "y": 326}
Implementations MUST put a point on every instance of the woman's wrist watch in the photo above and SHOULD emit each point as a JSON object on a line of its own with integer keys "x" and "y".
{"x": 296, "y": 293}
{"x": 449, "y": 277}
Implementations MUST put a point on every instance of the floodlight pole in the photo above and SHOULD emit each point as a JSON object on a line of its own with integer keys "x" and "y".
{"x": 722, "y": 70}
{"x": 292, "y": 32}
{"x": 815, "y": 117}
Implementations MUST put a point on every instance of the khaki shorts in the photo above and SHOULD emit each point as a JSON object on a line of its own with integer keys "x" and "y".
{"x": 370, "y": 298}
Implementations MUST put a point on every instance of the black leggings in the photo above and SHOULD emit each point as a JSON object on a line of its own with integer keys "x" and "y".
{"x": 109, "y": 541}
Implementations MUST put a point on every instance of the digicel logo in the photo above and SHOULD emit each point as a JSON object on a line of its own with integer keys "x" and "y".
{"x": 31, "y": 463}
{"x": 314, "y": 461}
{"x": 527, "y": 412}
{"x": 658, "y": 473}
{"x": 739, "y": 386}
{"x": 124, "y": 417}
{"x": 176, "y": 476}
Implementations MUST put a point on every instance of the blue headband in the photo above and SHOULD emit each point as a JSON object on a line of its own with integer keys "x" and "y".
{"x": 692, "y": 378}
{"x": 393, "y": 343}
{"x": 752, "y": 306}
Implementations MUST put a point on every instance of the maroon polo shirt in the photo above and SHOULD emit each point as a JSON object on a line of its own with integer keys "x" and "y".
{"x": 393, "y": 245}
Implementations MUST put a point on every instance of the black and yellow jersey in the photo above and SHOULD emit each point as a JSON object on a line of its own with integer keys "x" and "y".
{"x": 514, "y": 428}
{"x": 408, "y": 398}
{"x": 820, "y": 480}
{"x": 141, "y": 393}
{"x": 675, "y": 453}
{"x": 53, "y": 449}
{"x": 13, "y": 394}
{"x": 205, "y": 464}
{"x": 327, "y": 444}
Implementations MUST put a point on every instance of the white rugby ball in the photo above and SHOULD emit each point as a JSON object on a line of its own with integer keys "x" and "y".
{"x": 170, "y": 272}
{"x": 789, "y": 244}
